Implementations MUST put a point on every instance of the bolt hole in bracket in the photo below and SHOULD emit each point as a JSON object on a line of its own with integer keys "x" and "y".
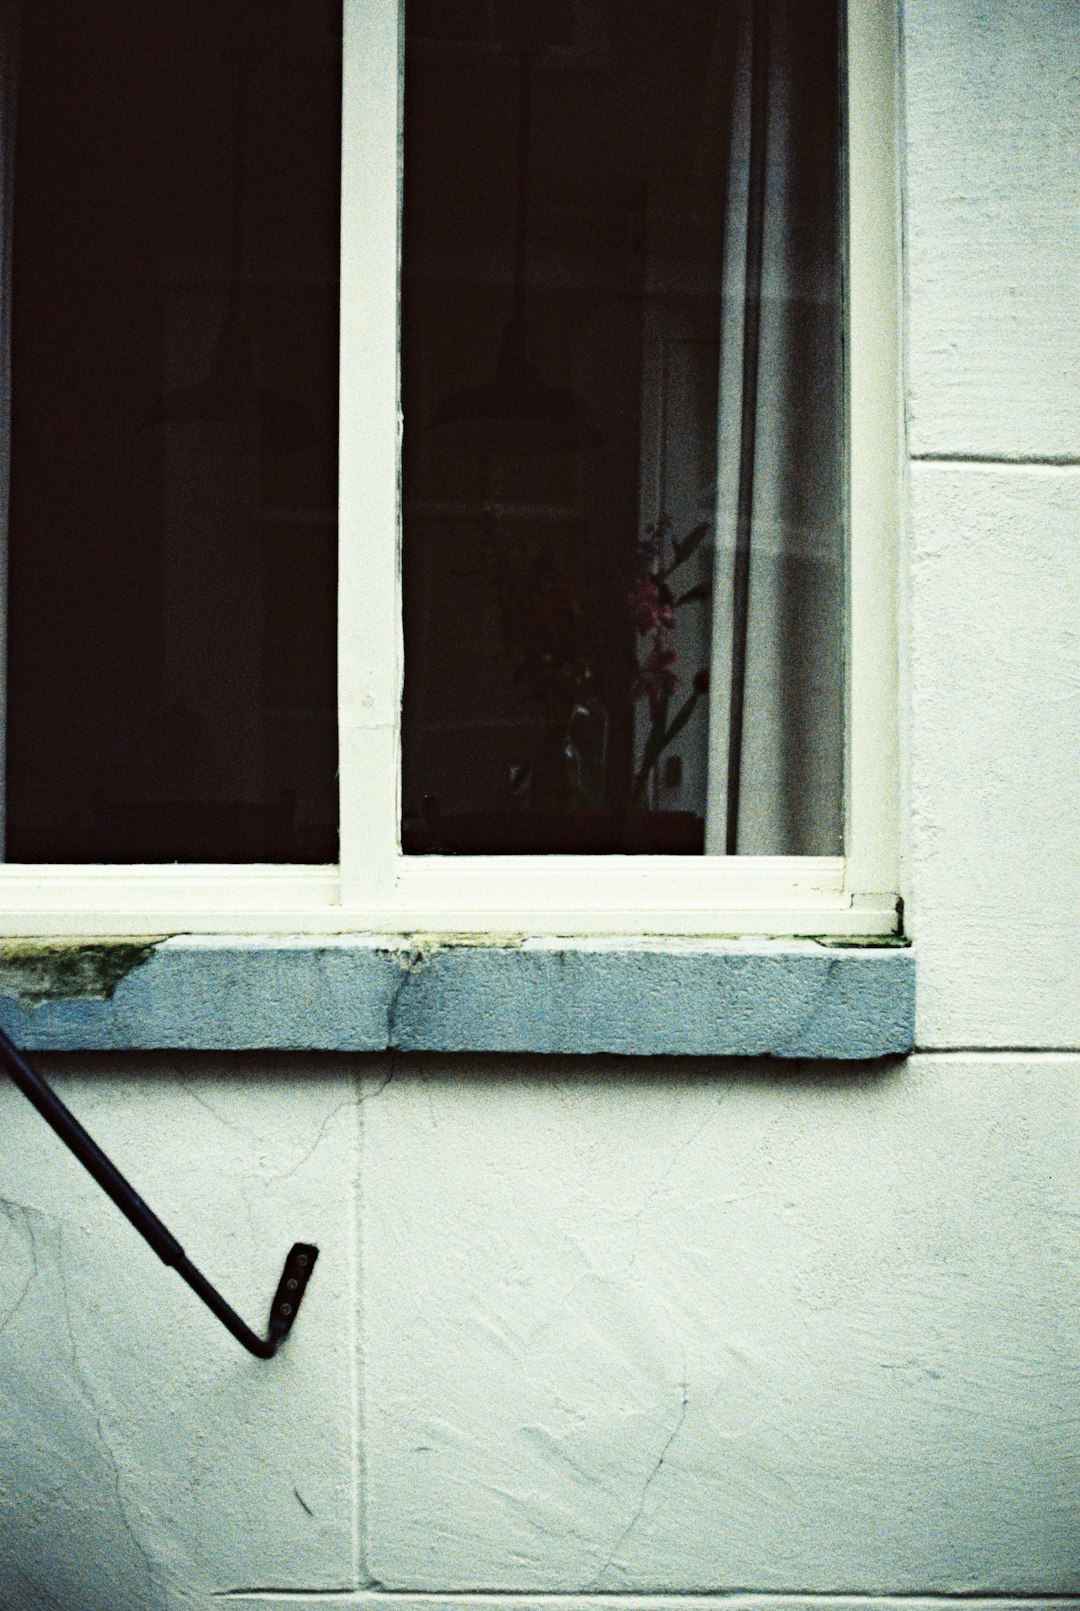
{"x": 298, "y": 1266}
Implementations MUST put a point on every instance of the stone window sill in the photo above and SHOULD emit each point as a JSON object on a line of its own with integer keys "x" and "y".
{"x": 369, "y": 993}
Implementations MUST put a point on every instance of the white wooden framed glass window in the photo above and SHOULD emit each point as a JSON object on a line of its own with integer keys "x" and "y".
{"x": 375, "y": 886}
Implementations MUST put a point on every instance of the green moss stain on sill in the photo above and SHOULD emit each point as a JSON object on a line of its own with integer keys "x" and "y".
{"x": 428, "y": 943}
{"x": 33, "y": 972}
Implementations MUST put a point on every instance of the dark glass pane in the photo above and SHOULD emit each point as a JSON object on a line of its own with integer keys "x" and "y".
{"x": 173, "y": 532}
{"x": 575, "y": 304}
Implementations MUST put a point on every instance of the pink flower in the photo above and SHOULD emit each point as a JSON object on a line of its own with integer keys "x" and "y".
{"x": 656, "y": 680}
{"x": 650, "y": 607}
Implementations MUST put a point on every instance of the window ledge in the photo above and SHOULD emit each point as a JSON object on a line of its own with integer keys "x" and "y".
{"x": 444, "y": 993}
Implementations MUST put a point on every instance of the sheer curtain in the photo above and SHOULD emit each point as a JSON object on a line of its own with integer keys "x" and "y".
{"x": 776, "y": 739}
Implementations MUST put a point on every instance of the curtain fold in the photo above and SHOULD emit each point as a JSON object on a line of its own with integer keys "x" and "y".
{"x": 776, "y": 739}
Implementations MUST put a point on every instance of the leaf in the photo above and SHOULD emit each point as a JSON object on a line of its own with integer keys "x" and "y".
{"x": 654, "y": 747}
{"x": 682, "y": 549}
{"x": 663, "y": 732}
{"x": 681, "y": 717}
{"x": 700, "y": 590}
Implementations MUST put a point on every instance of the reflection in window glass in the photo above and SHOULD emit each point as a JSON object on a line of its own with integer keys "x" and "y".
{"x": 622, "y": 373}
{"x": 173, "y": 525}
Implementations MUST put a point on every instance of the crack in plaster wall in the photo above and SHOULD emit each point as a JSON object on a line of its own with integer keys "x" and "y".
{"x": 649, "y": 1480}
{"x": 673, "y": 1163}
{"x": 22, "y": 1213}
{"x": 155, "y": 1593}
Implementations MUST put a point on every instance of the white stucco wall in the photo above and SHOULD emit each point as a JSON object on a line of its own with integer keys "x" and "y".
{"x": 638, "y": 1330}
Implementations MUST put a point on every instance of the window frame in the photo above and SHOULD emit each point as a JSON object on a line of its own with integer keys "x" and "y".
{"x": 374, "y": 887}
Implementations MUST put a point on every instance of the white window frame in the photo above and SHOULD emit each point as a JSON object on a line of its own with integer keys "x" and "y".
{"x": 375, "y": 888}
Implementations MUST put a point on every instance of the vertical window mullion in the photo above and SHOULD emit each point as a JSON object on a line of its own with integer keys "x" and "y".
{"x": 874, "y": 436}
{"x": 369, "y": 613}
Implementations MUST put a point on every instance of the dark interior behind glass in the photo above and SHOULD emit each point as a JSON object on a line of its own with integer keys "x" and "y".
{"x": 173, "y": 527}
{"x": 568, "y": 181}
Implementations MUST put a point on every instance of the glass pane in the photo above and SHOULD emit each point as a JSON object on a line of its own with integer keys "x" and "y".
{"x": 173, "y": 514}
{"x": 622, "y": 374}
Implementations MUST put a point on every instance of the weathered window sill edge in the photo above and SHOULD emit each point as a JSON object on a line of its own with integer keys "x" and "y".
{"x": 369, "y": 993}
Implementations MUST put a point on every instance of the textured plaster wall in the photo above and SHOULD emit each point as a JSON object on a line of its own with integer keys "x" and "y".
{"x": 993, "y": 273}
{"x": 668, "y": 1327}
{"x": 589, "y": 1329}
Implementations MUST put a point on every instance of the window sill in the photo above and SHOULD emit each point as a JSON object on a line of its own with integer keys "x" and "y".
{"x": 444, "y": 993}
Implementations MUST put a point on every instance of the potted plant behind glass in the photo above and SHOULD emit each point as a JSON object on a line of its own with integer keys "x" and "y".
{"x": 653, "y": 601}
{"x": 552, "y": 619}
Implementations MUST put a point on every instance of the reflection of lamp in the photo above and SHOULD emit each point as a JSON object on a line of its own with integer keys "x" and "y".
{"x": 230, "y": 393}
{"x": 515, "y": 412}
